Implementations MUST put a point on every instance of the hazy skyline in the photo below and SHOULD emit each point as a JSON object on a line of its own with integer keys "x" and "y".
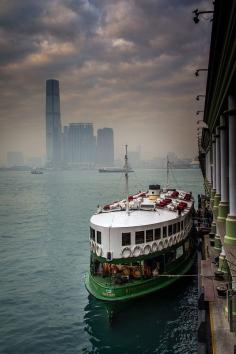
{"x": 128, "y": 65}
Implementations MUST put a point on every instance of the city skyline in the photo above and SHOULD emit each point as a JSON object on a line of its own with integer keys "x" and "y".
{"x": 128, "y": 65}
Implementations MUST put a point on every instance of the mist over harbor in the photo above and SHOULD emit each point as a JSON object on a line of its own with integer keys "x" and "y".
{"x": 127, "y": 65}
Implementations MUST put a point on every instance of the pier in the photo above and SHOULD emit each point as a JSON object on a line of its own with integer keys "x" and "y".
{"x": 217, "y": 156}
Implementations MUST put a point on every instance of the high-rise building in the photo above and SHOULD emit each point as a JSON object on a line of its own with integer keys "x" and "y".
{"x": 79, "y": 143}
{"x": 105, "y": 147}
{"x": 53, "y": 122}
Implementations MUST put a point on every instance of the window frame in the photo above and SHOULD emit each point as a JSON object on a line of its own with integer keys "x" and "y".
{"x": 178, "y": 226}
{"x": 92, "y": 234}
{"x": 141, "y": 234}
{"x": 170, "y": 227}
{"x": 157, "y": 235}
{"x": 164, "y": 231}
{"x": 123, "y": 241}
{"x": 174, "y": 228}
{"x": 99, "y": 240}
{"x": 152, "y": 235}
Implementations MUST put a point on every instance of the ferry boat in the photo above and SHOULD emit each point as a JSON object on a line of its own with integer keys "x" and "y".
{"x": 114, "y": 169}
{"x": 141, "y": 244}
{"x": 36, "y": 171}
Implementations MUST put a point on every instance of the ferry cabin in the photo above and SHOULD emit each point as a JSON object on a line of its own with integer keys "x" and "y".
{"x": 143, "y": 244}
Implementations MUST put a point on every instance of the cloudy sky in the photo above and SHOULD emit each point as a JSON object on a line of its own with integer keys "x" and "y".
{"x": 126, "y": 64}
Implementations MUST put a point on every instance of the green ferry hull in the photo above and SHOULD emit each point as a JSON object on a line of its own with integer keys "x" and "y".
{"x": 105, "y": 291}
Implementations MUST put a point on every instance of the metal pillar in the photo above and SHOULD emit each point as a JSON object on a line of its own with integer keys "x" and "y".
{"x": 223, "y": 209}
{"x": 208, "y": 172}
{"x": 230, "y": 237}
{"x": 218, "y": 189}
{"x": 213, "y": 190}
{"x": 209, "y": 167}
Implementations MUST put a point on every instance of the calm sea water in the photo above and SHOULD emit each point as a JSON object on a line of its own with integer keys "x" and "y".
{"x": 44, "y": 307}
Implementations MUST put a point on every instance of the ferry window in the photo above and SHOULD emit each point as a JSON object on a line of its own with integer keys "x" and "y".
{"x": 139, "y": 237}
{"x": 174, "y": 229}
{"x": 178, "y": 227}
{"x": 164, "y": 231}
{"x": 157, "y": 234}
{"x": 149, "y": 235}
{"x": 170, "y": 230}
{"x": 99, "y": 237}
{"x": 126, "y": 239}
{"x": 182, "y": 225}
{"x": 92, "y": 234}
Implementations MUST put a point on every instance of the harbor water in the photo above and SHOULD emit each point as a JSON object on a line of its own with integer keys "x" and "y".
{"x": 44, "y": 246}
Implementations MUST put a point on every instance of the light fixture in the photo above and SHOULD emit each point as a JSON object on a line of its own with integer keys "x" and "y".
{"x": 197, "y": 113}
{"x": 197, "y": 13}
{"x": 202, "y": 121}
{"x": 197, "y": 72}
{"x": 198, "y": 96}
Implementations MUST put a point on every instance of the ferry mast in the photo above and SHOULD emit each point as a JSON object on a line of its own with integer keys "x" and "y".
{"x": 126, "y": 179}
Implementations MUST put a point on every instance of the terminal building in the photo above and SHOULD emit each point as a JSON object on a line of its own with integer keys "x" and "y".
{"x": 217, "y": 156}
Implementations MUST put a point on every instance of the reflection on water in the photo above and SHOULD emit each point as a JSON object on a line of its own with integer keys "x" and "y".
{"x": 162, "y": 323}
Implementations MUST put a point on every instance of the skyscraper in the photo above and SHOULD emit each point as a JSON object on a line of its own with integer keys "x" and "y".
{"x": 105, "y": 147}
{"x": 79, "y": 143}
{"x": 53, "y": 122}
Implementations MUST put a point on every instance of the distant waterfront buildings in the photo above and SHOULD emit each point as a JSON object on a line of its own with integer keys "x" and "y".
{"x": 105, "y": 147}
{"x": 15, "y": 159}
{"x": 77, "y": 144}
{"x": 53, "y": 122}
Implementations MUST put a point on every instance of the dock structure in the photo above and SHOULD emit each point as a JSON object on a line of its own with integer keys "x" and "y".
{"x": 217, "y": 156}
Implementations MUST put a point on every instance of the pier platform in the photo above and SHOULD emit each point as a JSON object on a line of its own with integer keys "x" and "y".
{"x": 222, "y": 340}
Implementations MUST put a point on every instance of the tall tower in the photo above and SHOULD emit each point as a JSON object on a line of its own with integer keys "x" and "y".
{"x": 53, "y": 122}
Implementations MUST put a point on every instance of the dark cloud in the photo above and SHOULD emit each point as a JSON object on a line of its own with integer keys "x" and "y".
{"x": 114, "y": 59}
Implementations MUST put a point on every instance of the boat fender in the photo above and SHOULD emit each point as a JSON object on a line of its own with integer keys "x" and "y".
{"x": 154, "y": 247}
{"x": 91, "y": 245}
{"x": 160, "y": 246}
{"x": 137, "y": 251}
{"x": 94, "y": 247}
{"x": 99, "y": 251}
{"x": 166, "y": 244}
{"x": 126, "y": 252}
{"x": 147, "y": 249}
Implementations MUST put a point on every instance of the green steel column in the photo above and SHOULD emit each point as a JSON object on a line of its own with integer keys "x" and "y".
{"x": 217, "y": 197}
{"x": 230, "y": 237}
{"x": 223, "y": 208}
{"x": 213, "y": 224}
